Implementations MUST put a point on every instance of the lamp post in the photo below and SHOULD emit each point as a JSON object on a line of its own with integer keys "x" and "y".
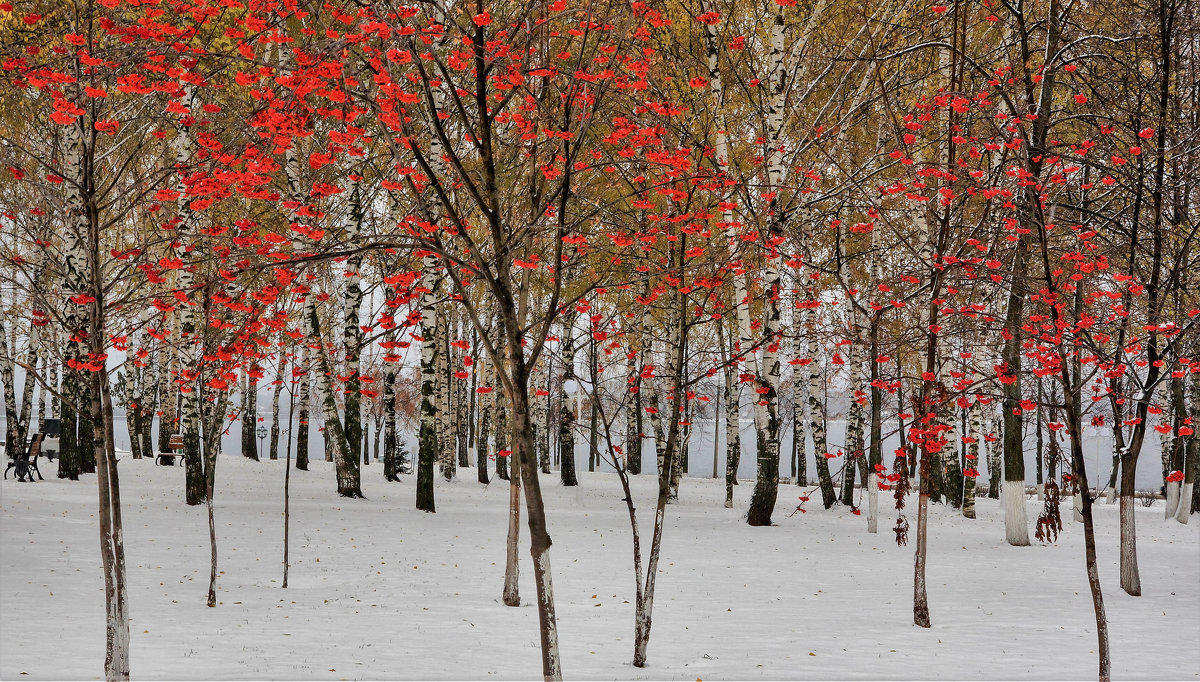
{"x": 262, "y": 433}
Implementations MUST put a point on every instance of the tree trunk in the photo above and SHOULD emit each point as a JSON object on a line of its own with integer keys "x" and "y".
{"x": 512, "y": 568}
{"x": 1187, "y": 498}
{"x": 87, "y": 442}
{"x": 733, "y": 436}
{"x": 279, "y": 381}
{"x": 1175, "y": 455}
{"x": 482, "y": 435}
{"x": 633, "y": 436}
{"x": 305, "y": 384}
{"x": 14, "y": 440}
{"x": 566, "y": 418}
{"x": 799, "y": 420}
{"x": 949, "y": 469}
{"x": 445, "y": 436}
{"x": 390, "y": 465}
{"x": 250, "y": 414}
{"x": 994, "y": 461}
{"x": 665, "y": 445}
{"x": 766, "y": 485}
{"x": 539, "y": 539}
{"x": 594, "y": 419}
{"x": 149, "y": 400}
{"x": 92, "y": 319}
{"x": 816, "y": 414}
{"x": 634, "y": 429}
{"x": 352, "y": 342}
{"x": 112, "y": 543}
{"x": 345, "y": 460}
{"x": 972, "y": 471}
{"x": 854, "y": 416}
{"x": 875, "y": 459}
{"x": 185, "y": 356}
{"x": 427, "y": 441}
{"x": 503, "y": 434}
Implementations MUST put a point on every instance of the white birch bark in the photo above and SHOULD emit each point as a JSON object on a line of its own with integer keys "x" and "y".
{"x": 816, "y": 414}
{"x": 428, "y": 447}
{"x": 314, "y": 337}
{"x": 279, "y": 382}
{"x": 14, "y": 439}
{"x": 799, "y": 398}
{"x": 184, "y": 330}
{"x": 975, "y": 415}
{"x": 947, "y": 460}
{"x": 741, "y": 289}
{"x": 352, "y": 333}
{"x": 446, "y": 439}
{"x": 854, "y": 414}
{"x": 1191, "y": 465}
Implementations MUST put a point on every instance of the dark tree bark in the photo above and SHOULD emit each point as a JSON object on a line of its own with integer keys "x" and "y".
{"x": 302, "y": 419}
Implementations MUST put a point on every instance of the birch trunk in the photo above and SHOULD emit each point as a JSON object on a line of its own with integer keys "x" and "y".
{"x": 1174, "y": 456}
{"x": 816, "y": 415}
{"x": 100, "y": 412}
{"x": 949, "y": 470}
{"x": 566, "y": 435}
{"x": 1187, "y": 505}
{"x": 854, "y": 416}
{"x": 352, "y": 338}
{"x": 390, "y": 465}
{"x": 188, "y": 390}
{"x": 345, "y": 462}
{"x": 427, "y": 445}
{"x": 972, "y": 472}
{"x": 875, "y": 460}
{"x": 75, "y": 285}
{"x": 485, "y": 418}
{"x": 34, "y": 343}
{"x": 633, "y": 436}
{"x": 149, "y": 389}
{"x": 644, "y": 606}
{"x": 540, "y": 417}
{"x": 594, "y": 412}
{"x": 799, "y": 407}
{"x": 250, "y": 413}
{"x": 305, "y": 384}
{"x": 995, "y": 466}
{"x": 137, "y": 378}
{"x": 14, "y": 439}
{"x": 445, "y": 437}
{"x": 502, "y": 432}
{"x": 733, "y": 435}
{"x": 766, "y": 487}
{"x": 279, "y": 381}
{"x": 741, "y": 303}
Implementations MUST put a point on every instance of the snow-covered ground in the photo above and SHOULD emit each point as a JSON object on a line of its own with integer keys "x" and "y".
{"x": 380, "y": 590}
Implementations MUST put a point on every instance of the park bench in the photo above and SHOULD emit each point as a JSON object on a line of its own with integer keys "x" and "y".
{"x": 174, "y": 445}
{"x": 25, "y": 461}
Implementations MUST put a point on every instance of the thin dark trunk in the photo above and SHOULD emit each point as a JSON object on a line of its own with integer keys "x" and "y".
{"x": 302, "y": 423}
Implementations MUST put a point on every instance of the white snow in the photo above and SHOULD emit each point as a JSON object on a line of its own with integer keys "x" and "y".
{"x": 380, "y": 590}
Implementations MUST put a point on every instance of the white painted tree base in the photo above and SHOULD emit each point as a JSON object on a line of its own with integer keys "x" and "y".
{"x": 1016, "y": 522}
{"x": 873, "y": 503}
{"x": 1184, "y": 508}
{"x": 1172, "y": 498}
